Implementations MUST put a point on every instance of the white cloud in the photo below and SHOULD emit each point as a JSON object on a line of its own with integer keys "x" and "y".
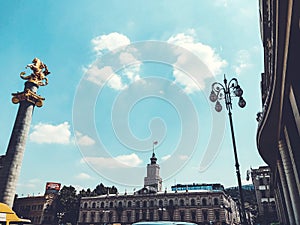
{"x": 166, "y": 157}
{"x": 121, "y": 161}
{"x": 84, "y": 140}
{"x": 183, "y": 157}
{"x": 186, "y": 81}
{"x": 204, "y": 52}
{"x": 51, "y": 134}
{"x": 243, "y": 61}
{"x": 109, "y": 42}
{"x": 221, "y": 3}
{"x": 103, "y": 75}
{"x": 128, "y": 57}
{"x": 83, "y": 176}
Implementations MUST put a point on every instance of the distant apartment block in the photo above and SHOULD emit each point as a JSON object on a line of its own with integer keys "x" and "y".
{"x": 264, "y": 195}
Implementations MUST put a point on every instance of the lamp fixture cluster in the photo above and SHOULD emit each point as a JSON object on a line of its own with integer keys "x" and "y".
{"x": 226, "y": 92}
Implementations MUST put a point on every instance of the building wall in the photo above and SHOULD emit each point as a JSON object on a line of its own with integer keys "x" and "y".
{"x": 200, "y": 207}
{"x": 264, "y": 195}
{"x": 278, "y": 136}
{"x": 39, "y": 209}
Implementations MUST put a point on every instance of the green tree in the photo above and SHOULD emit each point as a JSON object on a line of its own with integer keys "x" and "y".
{"x": 100, "y": 189}
{"x": 68, "y": 205}
{"x": 68, "y": 201}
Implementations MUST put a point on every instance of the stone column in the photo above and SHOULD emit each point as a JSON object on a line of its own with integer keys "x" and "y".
{"x": 14, "y": 155}
{"x": 286, "y": 194}
{"x": 281, "y": 210}
{"x": 290, "y": 178}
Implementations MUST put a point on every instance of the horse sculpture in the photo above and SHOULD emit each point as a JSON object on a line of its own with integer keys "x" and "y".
{"x": 39, "y": 73}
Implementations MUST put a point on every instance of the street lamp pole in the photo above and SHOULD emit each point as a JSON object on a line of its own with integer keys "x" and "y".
{"x": 226, "y": 92}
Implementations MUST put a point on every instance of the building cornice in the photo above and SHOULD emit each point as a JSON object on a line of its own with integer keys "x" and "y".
{"x": 270, "y": 121}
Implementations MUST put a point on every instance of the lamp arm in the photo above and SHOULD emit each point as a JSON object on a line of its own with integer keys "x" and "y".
{"x": 233, "y": 83}
{"x": 218, "y": 88}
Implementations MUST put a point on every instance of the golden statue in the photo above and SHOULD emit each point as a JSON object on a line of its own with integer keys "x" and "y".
{"x": 39, "y": 73}
{"x": 37, "y": 77}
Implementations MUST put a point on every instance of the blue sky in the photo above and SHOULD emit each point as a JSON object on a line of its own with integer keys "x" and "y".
{"x": 125, "y": 74}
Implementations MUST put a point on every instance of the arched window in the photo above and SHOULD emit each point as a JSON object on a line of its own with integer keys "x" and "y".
{"x": 216, "y": 201}
{"x": 204, "y": 202}
{"x": 182, "y": 215}
{"x": 145, "y": 204}
{"x": 111, "y": 204}
{"x": 160, "y": 203}
{"x": 151, "y": 215}
{"x": 181, "y": 202}
{"x": 137, "y": 204}
{"x": 193, "y": 215}
{"x": 110, "y": 216}
{"x": 137, "y": 216}
{"x": 129, "y": 204}
{"x": 92, "y": 217}
{"x": 85, "y": 205}
{"x": 84, "y": 217}
{"x": 217, "y": 215}
{"x": 171, "y": 202}
{"x": 128, "y": 216}
{"x": 120, "y": 204}
{"x": 144, "y": 215}
{"x": 193, "y": 202}
{"x": 151, "y": 203}
{"x": 160, "y": 214}
{"x": 94, "y": 205}
{"x": 204, "y": 213}
{"x": 101, "y": 217}
{"x": 102, "y": 204}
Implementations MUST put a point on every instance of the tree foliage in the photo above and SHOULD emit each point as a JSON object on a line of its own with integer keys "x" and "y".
{"x": 68, "y": 205}
{"x": 68, "y": 201}
{"x": 100, "y": 189}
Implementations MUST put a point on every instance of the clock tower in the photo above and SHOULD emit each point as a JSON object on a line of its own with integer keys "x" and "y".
{"x": 153, "y": 179}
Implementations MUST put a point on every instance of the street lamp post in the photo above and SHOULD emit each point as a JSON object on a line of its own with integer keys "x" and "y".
{"x": 226, "y": 92}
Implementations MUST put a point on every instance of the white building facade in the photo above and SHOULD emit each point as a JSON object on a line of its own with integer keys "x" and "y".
{"x": 198, "y": 203}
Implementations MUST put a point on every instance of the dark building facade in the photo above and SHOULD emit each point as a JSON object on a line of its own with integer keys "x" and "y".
{"x": 264, "y": 195}
{"x": 278, "y": 135}
{"x": 36, "y": 208}
{"x": 39, "y": 209}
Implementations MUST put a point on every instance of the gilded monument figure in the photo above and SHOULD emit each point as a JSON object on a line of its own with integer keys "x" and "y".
{"x": 37, "y": 78}
{"x": 28, "y": 99}
{"x": 39, "y": 73}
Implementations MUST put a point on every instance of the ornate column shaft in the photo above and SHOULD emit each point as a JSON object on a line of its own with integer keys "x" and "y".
{"x": 11, "y": 168}
{"x": 16, "y": 147}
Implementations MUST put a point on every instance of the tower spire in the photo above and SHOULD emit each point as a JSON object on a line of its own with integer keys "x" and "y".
{"x": 153, "y": 159}
{"x": 153, "y": 179}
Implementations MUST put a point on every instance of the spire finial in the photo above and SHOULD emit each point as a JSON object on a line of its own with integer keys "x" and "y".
{"x": 153, "y": 158}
